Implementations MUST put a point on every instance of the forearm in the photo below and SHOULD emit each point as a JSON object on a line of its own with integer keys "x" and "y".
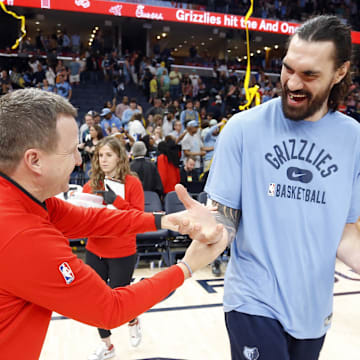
{"x": 349, "y": 247}
{"x": 229, "y": 218}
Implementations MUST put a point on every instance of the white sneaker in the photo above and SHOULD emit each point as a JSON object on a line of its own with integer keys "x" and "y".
{"x": 102, "y": 352}
{"x": 135, "y": 333}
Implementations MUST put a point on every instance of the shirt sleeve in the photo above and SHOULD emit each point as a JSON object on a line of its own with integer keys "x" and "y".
{"x": 76, "y": 221}
{"x": 134, "y": 195}
{"x": 354, "y": 211}
{"x": 52, "y": 277}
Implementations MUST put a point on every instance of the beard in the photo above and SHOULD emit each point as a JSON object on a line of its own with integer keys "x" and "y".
{"x": 312, "y": 103}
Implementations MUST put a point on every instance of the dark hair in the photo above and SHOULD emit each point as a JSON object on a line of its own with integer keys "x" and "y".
{"x": 170, "y": 150}
{"x": 330, "y": 28}
{"x": 98, "y": 130}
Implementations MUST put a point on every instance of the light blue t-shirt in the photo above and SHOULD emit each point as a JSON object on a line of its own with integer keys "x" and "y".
{"x": 209, "y": 141}
{"x": 297, "y": 184}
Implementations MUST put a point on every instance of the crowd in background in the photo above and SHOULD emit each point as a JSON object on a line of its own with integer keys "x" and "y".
{"x": 183, "y": 112}
{"x": 180, "y": 119}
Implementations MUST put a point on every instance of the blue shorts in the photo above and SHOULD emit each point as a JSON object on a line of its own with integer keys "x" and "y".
{"x": 257, "y": 337}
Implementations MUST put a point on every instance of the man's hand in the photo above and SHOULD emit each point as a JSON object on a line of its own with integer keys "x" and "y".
{"x": 199, "y": 254}
{"x": 109, "y": 195}
{"x": 198, "y": 221}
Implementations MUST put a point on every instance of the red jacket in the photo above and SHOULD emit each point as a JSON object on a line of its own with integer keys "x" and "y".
{"x": 169, "y": 173}
{"x": 125, "y": 245}
{"x": 40, "y": 273}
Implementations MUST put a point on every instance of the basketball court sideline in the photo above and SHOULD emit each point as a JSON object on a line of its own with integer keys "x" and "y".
{"x": 189, "y": 325}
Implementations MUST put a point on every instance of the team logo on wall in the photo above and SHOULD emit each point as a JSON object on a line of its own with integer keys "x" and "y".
{"x": 67, "y": 273}
{"x": 251, "y": 353}
{"x": 10, "y": 2}
{"x": 116, "y": 10}
{"x": 84, "y": 3}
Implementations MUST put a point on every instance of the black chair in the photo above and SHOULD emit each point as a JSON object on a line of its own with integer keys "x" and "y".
{"x": 202, "y": 197}
{"x": 177, "y": 242}
{"x": 153, "y": 244}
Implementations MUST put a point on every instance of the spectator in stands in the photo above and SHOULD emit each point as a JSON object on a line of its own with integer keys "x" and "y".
{"x": 120, "y": 108}
{"x": 168, "y": 162}
{"x": 111, "y": 105}
{"x": 156, "y": 109}
{"x": 39, "y": 75}
{"x": 192, "y": 145}
{"x": 17, "y": 80}
{"x": 88, "y": 148}
{"x": 188, "y": 114}
{"x": 114, "y": 259}
{"x": 168, "y": 120}
{"x": 128, "y": 113}
{"x": 136, "y": 126}
{"x": 194, "y": 77}
{"x": 75, "y": 70}
{"x": 187, "y": 173}
{"x": 177, "y": 133}
{"x": 5, "y": 82}
{"x": 50, "y": 75}
{"x": 46, "y": 87}
{"x": 175, "y": 83}
{"x": 154, "y": 91}
{"x": 66, "y": 42}
{"x": 146, "y": 169}
{"x": 75, "y": 43}
{"x": 210, "y": 138}
{"x": 157, "y": 135}
{"x": 109, "y": 120}
{"x": 93, "y": 69}
{"x": 215, "y": 107}
{"x": 63, "y": 88}
{"x": 186, "y": 88}
{"x": 85, "y": 127}
{"x": 164, "y": 83}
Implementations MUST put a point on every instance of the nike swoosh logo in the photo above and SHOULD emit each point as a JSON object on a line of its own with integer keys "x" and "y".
{"x": 301, "y": 175}
{"x": 296, "y": 175}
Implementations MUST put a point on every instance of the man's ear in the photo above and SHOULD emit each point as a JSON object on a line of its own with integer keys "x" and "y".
{"x": 341, "y": 72}
{"x": 33, "y": 160}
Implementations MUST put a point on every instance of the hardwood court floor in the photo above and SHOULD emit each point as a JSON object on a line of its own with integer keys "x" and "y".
{"x": 189, "y": 325}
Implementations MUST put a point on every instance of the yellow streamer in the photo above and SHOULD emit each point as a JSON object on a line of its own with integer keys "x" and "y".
{"x": 250, "y": 93}
{"x": 18, "y": 17}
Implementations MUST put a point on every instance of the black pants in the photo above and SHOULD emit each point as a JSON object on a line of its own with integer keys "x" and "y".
{"x": 257, "y": 337}
{"x": 116, "y": 272}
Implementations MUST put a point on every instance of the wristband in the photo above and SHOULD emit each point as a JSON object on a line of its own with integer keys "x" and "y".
{"x": 187, "y": 266}
{"x": 158, "y": 217}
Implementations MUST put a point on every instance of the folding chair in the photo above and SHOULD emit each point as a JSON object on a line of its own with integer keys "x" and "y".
{"x": 153, "y": 244}
{"x": 177, "y": 242}
{"x": 202, "y": 197}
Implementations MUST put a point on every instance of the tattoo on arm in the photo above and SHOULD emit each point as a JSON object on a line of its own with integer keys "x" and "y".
{"x": 229, "y": 217}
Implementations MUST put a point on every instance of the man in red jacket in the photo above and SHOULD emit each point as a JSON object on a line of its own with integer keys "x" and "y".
{"x": 39, "y": 272}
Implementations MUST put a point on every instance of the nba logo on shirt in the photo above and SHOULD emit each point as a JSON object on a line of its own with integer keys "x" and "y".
{"x": 271, "y": 190}
{"x": 66, "y": 272}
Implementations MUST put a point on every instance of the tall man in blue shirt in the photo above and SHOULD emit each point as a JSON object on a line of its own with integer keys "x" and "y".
{"x": 286, "y": 179}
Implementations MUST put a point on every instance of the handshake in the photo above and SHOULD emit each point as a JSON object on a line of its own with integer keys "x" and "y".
{"x": 210, "y": 238}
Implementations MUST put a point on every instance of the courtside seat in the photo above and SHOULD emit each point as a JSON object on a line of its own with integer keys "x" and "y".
{"x": 153, "y": 244}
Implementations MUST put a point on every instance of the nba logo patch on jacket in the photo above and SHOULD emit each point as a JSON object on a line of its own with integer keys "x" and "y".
{"x": 67, "y": 273}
